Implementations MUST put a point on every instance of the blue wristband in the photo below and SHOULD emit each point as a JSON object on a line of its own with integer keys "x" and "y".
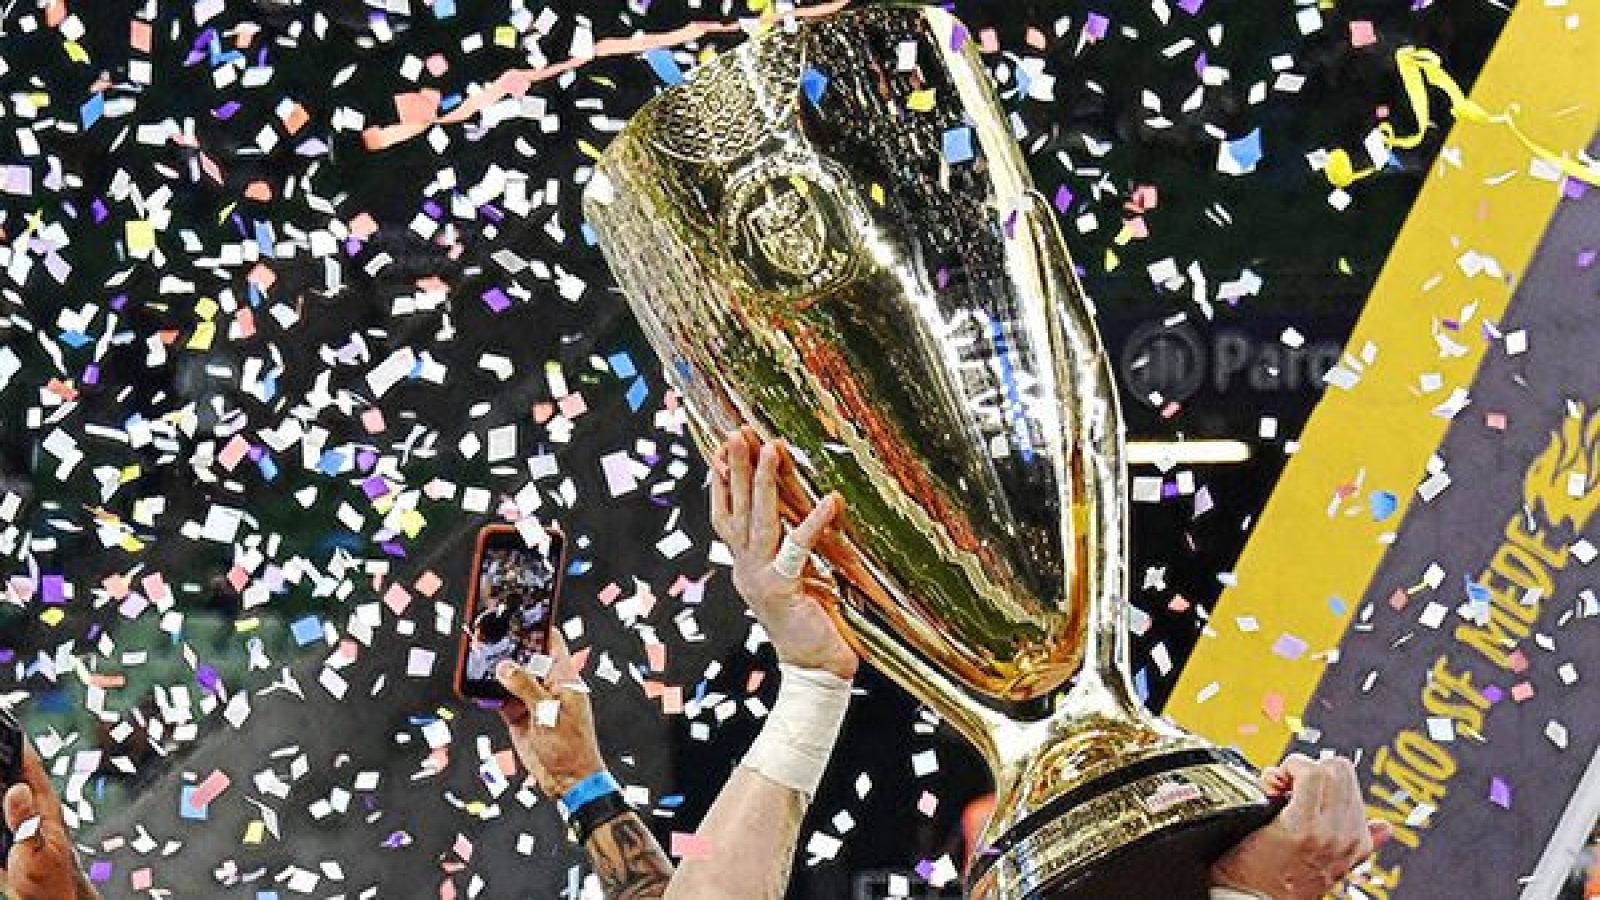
{"x": 597, "y": 785}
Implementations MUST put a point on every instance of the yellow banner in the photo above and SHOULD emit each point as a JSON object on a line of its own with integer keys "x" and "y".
{"x": 1474, "y": 228}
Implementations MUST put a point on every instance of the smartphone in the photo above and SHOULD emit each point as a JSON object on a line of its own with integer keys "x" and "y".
{"x": 511, "y": 607}
{"x": 10, "y": 765}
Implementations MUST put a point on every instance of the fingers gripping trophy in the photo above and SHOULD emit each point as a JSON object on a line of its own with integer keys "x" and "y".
{"x": 829, "y": 235}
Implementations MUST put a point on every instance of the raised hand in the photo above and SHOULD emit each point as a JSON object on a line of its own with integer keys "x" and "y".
{"x": 774, "y": 573}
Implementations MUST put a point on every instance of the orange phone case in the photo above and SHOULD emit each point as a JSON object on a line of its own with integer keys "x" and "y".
{"x": 484, "y": 535}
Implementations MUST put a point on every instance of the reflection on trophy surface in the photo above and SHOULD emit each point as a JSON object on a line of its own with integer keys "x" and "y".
{"x": 829, "y": 234}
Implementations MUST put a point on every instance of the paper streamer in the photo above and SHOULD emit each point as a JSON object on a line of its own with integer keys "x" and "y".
{"x": 516, "y": 82}
{"x": 1420, "y": 69}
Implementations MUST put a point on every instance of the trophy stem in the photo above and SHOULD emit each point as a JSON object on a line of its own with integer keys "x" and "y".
{"x": 1004, "y": 744}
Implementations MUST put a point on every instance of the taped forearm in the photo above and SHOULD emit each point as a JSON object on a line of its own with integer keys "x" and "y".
{"x": 797, "y": 740}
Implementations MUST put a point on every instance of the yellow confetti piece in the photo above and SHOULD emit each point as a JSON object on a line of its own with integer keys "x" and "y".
{"x": 1111, "y": 260}
{"x": 206, "y": 308}
{"x": 53, "y": 616}
{"x": 75, "y": 51}
{"x": 505, "y": 36}
{"x": 141, "y": 235}
{"x": 588, "y": 149}
{"x": 1293, "y": 723}
{"x": 129, "y": 473}
{"x": 245, "y": 626}
{"x": 204, "y": 335}
{"x": 255, "y": 832}
{"x": 131, "y": 544}
{"x": 1420, "y": 69}
{"x": 922, "y": 101}
{"x": 412, "y": 523}
{"x": 445, "y": 713}
{"x": 877, "y": 194}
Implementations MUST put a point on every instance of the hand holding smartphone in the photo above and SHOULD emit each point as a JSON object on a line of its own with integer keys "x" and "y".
{"x": 511, "y": 607}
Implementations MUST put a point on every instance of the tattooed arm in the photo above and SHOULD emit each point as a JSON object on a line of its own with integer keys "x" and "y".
{"x": 628, "y": 860}
{"x": 560, "y": 755}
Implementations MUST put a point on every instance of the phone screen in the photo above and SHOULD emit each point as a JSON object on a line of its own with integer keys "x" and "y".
{"x": 513, "y": 604}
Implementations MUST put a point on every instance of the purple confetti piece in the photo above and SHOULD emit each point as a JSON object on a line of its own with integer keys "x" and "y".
{"x": 1499, "y": 792}
{"x": 1289, "y": 647}
{"x": 496, "y": 300}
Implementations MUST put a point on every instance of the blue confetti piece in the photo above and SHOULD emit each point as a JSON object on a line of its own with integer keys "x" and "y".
{"x": 268, "y": 467}
{"x": 186, "y": 807}
{"x": 77, "y": 340}
{"x": 622, "y": 364}
{"x": 958, "y": 144}
{"x": 1141, "y": 685}
{"x": 1383, "y": 505}
{"x": 1336, "y": 605}
{"x": 638, "y": 392}
{"x": 307, "y": 630}
{"x": 1246, "y": 151}
{"x": 1477, "y": 593}
{"x": 590, "y": 239}
{"x": 264, "y": 239}
{"x": 814, "y": 83}
{"x": 442, "y": 9}
{"x": 92, "y": 110}
{"x": 665, "y": 67}
{"x": 331, "y": 462}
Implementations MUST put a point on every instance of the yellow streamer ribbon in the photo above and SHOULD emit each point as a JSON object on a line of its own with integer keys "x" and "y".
{"x": 1420, "y": 69}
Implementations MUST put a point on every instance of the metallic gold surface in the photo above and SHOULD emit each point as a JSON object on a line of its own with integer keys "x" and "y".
{"x": 806, "y": 241}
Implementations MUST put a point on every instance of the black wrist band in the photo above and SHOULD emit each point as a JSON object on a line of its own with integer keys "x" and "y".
{"x": 597, "y": 812}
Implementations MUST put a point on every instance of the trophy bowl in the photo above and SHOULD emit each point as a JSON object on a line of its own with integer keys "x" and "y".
{"x": 830, "y": 235}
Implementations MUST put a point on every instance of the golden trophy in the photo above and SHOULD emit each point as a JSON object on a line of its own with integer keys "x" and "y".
{"x": 829, "y": 234}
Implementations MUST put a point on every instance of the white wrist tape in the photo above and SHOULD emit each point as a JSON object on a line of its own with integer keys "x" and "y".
{"x": 795, "y": 743}
{"x": 1224, "y": 893}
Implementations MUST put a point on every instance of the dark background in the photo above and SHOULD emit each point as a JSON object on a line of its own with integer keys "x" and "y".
{"x": 1224, "y": 364}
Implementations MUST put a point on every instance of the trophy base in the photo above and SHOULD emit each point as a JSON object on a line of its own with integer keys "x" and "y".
{"x": 1148, "y": 832}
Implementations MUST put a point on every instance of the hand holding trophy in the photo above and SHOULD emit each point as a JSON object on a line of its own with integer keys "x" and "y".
{"x": 819, "y": 252}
